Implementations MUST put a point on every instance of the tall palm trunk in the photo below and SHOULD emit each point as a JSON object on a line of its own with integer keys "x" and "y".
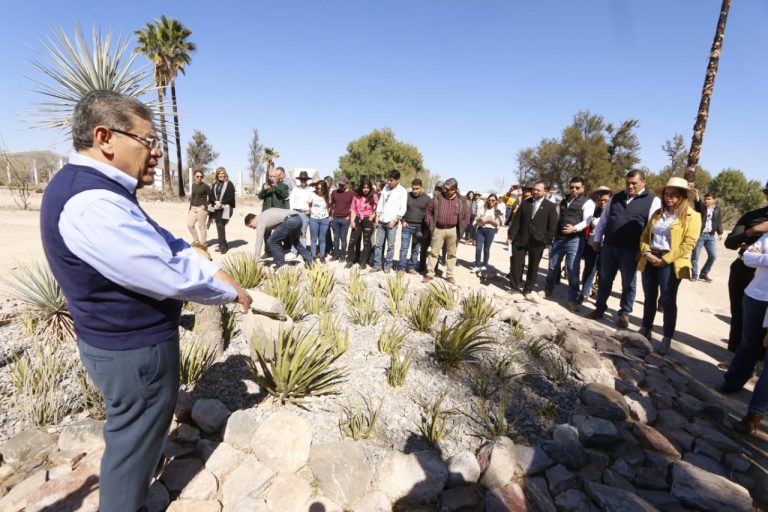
{"x": 706, "y": 94}
{"x": 178, "y": 138}
{"x": 164, "y": 137}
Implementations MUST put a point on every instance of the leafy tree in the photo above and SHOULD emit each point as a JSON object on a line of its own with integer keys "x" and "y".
{"x": 677, "y": 153}
{"x": 734, "y": 189}
{"x": 269, "y": 156}
{"x": 200, "y": 153}
{"x": 379, "y": 152}
{"x": 255, "y": 158}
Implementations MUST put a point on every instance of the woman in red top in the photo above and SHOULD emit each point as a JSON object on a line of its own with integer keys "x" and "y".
{"x": 363, "y": 213}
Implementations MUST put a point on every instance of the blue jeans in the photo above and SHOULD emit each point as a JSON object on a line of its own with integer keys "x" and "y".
{"x": 340, "y": 227}
{"x": 709, "y": 243}
{"x": 748, "y": 354}
{"x": 613, "y": 259}
{"x": 140, "y": 387}
{"x": 384, "y": 233}
{"x": 483, "y": 240}
{"x": 591, "y": 262}
{"x": 570, "y": 248}
{"x": 304, "y": 226}
{"x": 664, "y": 279}
{"x": 408, "y": 240}
{"x": 318, "y": 229}
{"x": 288, "y": 230}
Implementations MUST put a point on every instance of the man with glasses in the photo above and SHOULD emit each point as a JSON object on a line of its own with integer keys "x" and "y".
{"x": 447, "y": 216}
{"x": 576, "y": 211}
{"x": 125, "y": 279}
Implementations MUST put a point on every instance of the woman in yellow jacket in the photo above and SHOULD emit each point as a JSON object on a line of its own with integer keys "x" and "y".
{"x": 665, "y": 256}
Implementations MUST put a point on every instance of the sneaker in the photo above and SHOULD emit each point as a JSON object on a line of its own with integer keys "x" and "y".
{"x": 725, "y": 389}
{"x": 706, "y": 279}
{"x": 483, "y": 269}
{"x": 581, "y": 299}
{"x": 533, "y": 297}
{"x": 475, "y": 270}
{"x": 694, "y": 278}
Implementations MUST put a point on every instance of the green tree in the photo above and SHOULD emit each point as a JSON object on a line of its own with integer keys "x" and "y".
{"x": 733, "y": 188}
{"x": 677, "y": 154}
{"x": 200, "y": 153}
{"x": 255, "y": 158}
{"x": 269, "y": 155}
{"x": 379, "y": 152}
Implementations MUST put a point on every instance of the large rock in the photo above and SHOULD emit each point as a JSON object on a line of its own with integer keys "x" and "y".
{"x": 604, "y": 402}
{"x": 590, "y": 367}
{"x": 79, "y": 490}
{"x": 611, "y": 499}
{"x": 612, "y": 479}
{"x": 262, "y": 333}
{"x": 288, "y": 493}
{"x": 530, "y": 460}
{"x": 221, "y": 459}
{"x": 596, "y": 431}
{"x": 376, "y": 501}
{"x": 239, "y": 430}
{"x": 461, "y": 498}
{"x": 413, "y": 478}
{"x": 640, "y": 408}
{"x": 634, "y": 340}
{"x": 243, "y": 486}
{"x": 567, "y": 453}
{"x": 180, "y": 472}
{"x": 653, "y": 439}
{"x": 565, "y": 432}
{"x": 502, "y": 464}
{"x": 341, "y": 470}
{"x": 535, "y": 490}
{"x": 203, "y": 486}
{"x": 463, "y": 469}
{"x": 705, "y": 463}
{"x": 282, "y": 442}
{"x": 16, "y": 499}
{"x": 573, "y": 500}
{"x": 560, "y": 479}
{"x": 706, "y": 491}
{"x": 27, "y": 444}
{"x": 82, "y": 436}
{"x": 505, "y": 499}
{"x": 210, "y": 415}
{"x": 266, "y": 304}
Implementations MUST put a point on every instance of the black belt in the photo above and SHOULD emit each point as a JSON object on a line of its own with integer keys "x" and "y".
{"x": 289, "y": 216}
{"x": 439, "y": 226}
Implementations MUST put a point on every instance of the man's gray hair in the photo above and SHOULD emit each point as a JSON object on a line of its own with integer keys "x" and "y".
{"x": 451, "y": 183}
{"x": 104, "y": 108}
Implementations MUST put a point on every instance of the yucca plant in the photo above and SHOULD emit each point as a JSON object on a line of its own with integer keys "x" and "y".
{"x": 435, "y": 420}
{"x": 391, "y": 339}
{"x": 195, "y": 358}
{"x": 493, "y": 424}
{"x": 555, "y": 368}
{"x": 481, "y": 382}
{"x": 329, "y": 330}
{"x": 47, "y": 306}
{"x": 301, "y": 368}
{"x": 477, "y": 307}
{"x": 423, "y": 315}
{"x": 284, "y": 285}
{"x": 91, "y": 398}
{"x": 321, "y": 282}
{"x": 39, "y": 381}
{"x": 507, "y": 370}
{"x": 537, "y": 348}
{"x": 360, "y": 422}
{"x": 397, "y": 291}
{"x": 461, "y": 340}
{"x": 245, "y": 269}
{"x": 398, "y": 368}
{"x": 362, "y": 305}
{"x": 517, "y": 330}
{"x": 442, "y": 295}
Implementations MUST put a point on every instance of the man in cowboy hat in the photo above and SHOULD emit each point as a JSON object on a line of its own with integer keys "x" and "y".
{"x": 617, "y": 238}
{"x": 299, "y": 201}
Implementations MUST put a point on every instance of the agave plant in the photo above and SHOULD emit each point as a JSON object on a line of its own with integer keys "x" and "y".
{"x": 245, "y": 269}
{"x": 390, "y": 340}
{"x": 71, "y": 69}
{"x": 423, "y": 315}
{"x": 398, "y": 368}
{"x": 478, "y": 307}
{"x": 195, "y": 358}
{"x": 434, "y": 420}
{"x": 461, "y": 340}
{"x": 442, "y": 295}
{"x": 39, "y": 290}
{"x": 321, "y": 282}
{"x": 397, "y": 290}
{"x": 360, "y": 422}
{"x": 493, "y": 424}
{"x": 330, "y": 331}
{"x": 284, "y": 285}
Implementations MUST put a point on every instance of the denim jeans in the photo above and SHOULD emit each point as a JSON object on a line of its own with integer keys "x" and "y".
{"x": 591, "y": 262}
{"x": 304, "y": 226}
{"x": 384, "y": 233}
{"x": 483, "y": 240}
{"x": 318, "y": 229}
{"x": 709, "y": 242}
{"x": 287, "y": 231}
{"x": 664, "y": 280}
{"x": 140, "y": 387}
{"x": 748, "y": 354}
{"x": 409, "y": 240}
{"x": 570, "y": 249}
{"x": 612, "y": 260}
{"x": 340, "y": 228}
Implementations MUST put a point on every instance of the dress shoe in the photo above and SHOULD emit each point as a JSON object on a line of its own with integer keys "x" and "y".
{"x": 450, "y": 280}
{"x": 725, "y": 389}
{"x": 595, "y": 315}
{"x": 622, "y": 322}
{"x": 664, "y": 346}
{"x": 749, "y": 423}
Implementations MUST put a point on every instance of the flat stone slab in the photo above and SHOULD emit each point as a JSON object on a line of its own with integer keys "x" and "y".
{"x": 26, "y": 445}
{"x": 611, "y": 499}
{"x": 342, "y": 471}
{"x": 703, "y": 490}
{"x": 282, "y": 442}
{"x": 415, "y": 477}
{"x": 604, "y": 402}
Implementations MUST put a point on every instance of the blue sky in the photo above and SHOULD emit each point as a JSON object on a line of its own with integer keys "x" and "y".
{"x": 470, "y": 83}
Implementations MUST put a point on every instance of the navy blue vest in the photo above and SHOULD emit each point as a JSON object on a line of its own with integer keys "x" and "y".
{"x": 105, "y": 314}
{"x": 572, "y": 215}
{"x": 626, "y": 222}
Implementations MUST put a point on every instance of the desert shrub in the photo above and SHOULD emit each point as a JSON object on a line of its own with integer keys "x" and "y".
{"x": 284, "y": 285}
{"x": 517, "y": 330}
{"x": 362, "y": 305}
{"x": 399, "y": 365}
{"x": 91, "y": 398}
{"x": 321, "y": 282}
{"x": 397, "y": 291}
{"x": 435, "y": 420}
{"x": 391, "y": 339}
{"x": 47, "y": 313}
{"x": 245, "y": 269}
{"x": 460, "y": 341}
{"x": 507, "y": 370}
{"x": 555, "y": 368}
{"x": 301, "y": 367}
{"x": 493, "y": 423}
{"x": 330, "y": 331}
{"x": 442, "y": 295}
{"x": 195, "y": 358}
{"x": 360, "y": 422}
{"x": 228, "y": 322}
{"x": 423, "y": 315}
{"x": 39, "y": 380}
{"x": 477, "y": 307}
{"x": 537, "y": 348}
{"x": 481, "y": 382}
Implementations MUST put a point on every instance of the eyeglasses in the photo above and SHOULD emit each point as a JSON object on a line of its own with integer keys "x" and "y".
{"x": 492, "y": 201}
{"x": 152, "y": 142}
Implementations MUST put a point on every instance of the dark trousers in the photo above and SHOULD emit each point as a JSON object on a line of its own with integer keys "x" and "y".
{"x": 591, "y": 260}
{"x": 140, "y": 387}
{"x": 518, "y": 260}
{"x": 288, "y": 233}
{"x": 328, "y": 242}
{"x": 750, "y": 349}
{"x": 662, "y": 279}
{"x": 738, "y": 280}
{"x": 221, "y": 233}
{"x": 362, "y": 230}
{"x": 613, "y": 260}
{"x": 340, "y": 228}
{"x": 424, "y": 250}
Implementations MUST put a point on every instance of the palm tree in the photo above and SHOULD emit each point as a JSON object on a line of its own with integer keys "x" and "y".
{"x": 269, "y": 156}
{"x": 706, "y": 94}
{"x": 151, "y": 45}
{"x": 176, "y": 50}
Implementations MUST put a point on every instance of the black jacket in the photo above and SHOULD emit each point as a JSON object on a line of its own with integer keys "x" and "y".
{"x": 717, "y": 225}
{"x": 525, "y": 231}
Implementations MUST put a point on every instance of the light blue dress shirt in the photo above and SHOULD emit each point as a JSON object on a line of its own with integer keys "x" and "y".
{"x": 112, "y": 234}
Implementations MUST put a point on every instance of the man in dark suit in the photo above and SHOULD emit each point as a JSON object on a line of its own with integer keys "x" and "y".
{"x": 532, "y": 229}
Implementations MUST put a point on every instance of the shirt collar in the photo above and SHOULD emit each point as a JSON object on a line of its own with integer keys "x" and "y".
{"x": 113, "y": 173}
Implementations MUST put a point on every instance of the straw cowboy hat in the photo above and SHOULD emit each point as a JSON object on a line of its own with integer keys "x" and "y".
{"x": 601, "y": 188}
{"x": 680, "y": 183}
